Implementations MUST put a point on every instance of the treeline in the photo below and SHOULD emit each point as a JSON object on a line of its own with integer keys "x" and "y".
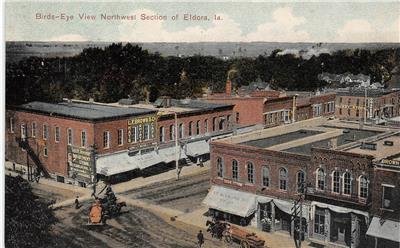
{"x": 121, "y": 71}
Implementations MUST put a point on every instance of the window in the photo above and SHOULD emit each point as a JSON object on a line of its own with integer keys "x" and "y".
{"x": 214, "y": 124}
{"x": 235, "y": 170}
{"x": 146, "y": 132}
{"x": 120, "y": 137}
{"x": 320, "y": 179}
{"x": 45, "y": 132}
{"x": 363, "y": 187}
{"x": 221, "y": 124}
{"x": 134, "y": 135}
{"x": 69, "y": 136}
{"x": 301, "y": 181}
{"x": 198, "y": 127}
{"x": 387, "y": 197}
{"x": 220, "y": 167}
{"x": 265, "y": 176}
{"x": 357, "y": 113}
{"x": 33, "y": 129}
{"x": 181, "y": 130}
{"x": 228, "y": 119}
{"x": 11, "y": 125}
{"x": 319, "y": 222}
{"x": 45, "y": 151}
{"x": 23, "y": 131}
{"x": 336, "y": 182}
{"x": 190, "y": 128}
{"x": 340, "y": 111}
{"x": 106, "y": 139}
{"x": 348, "y": 111}
{"x": 282, "y": 179}
{"x": 171, "y": 132}
{"x": 237, "y": 117}
{"x": 347, "y": 183}
{"x": 340, "y": 100}
{"x": 250, "y": 172}
{"x": 162, "y": 135}
{"x": 57, "y": 134}
{"x": 83, "y": 138}
{"x": 206, "y": 126}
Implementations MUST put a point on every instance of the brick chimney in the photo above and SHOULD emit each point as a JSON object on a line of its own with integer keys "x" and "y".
{"x": 228, "y": 87}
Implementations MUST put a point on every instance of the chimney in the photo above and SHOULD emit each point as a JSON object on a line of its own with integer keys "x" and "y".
{"x": 228, "y": 87}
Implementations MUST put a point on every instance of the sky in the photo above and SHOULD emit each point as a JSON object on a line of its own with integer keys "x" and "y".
{"x": 238, "y": 21}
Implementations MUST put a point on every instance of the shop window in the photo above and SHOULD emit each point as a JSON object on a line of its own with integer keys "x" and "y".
{"x": 320, "y": 179}
{"x": 171, "y": 132}
{"x": 319, "y": 222}
{"x": 346, "y": 183}
{"x": 387, "y": 197}
{"x": 220, "y": 167}
{"x": 235, "y": 170}
{"x": 250, "y": 172}
{"x": 336, "y": 182}
{"x": 283, "y": 176}
{"x": 265, "y": 176}
{"x": 301, "y": 176}
{"x": 120, "y": 137}
{"x": 363, "y": 187}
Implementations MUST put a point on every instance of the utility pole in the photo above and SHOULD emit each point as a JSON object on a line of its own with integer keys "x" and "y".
{"x": 93, "y": 158}
{"x": 298, "y": 214}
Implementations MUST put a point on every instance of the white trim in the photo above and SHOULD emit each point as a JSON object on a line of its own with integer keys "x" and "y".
{"x": 388, "y": 185}
{"x": 12, "y": 125}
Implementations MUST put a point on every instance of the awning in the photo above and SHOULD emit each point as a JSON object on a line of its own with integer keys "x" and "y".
{"x": 197, "y": 148}
{"x": 169, "y": 154}
{"x": 385, "y": 229}
{"x": 148, "y": 159}
{"x": 338, "y": 209}
{"x": 287, "y": 207}
{"x": 231, "y": 201}
{"x": 264, "y": 199}
{"x": 115, "y": 163}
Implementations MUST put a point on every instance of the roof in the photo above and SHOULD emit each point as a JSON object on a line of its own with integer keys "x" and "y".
{"x": 360, "y": 91}
{"x": 85, "y": 111}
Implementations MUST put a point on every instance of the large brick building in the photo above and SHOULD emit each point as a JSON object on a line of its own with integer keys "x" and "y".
{"x": 257, "y": 177}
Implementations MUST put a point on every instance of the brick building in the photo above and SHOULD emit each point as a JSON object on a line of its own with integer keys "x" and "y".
{"x": 380, "y": 104}
{"x": 257, "y": 177}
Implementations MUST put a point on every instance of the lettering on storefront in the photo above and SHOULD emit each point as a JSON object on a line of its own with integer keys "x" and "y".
{"x": 141, "y": 129}
{"x": 80, "y": 162}
{"x": 390, "y": 162}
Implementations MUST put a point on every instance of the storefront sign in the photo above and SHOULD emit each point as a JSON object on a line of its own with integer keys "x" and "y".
{"x": 141, "y": 129}
{"x": 80, "y": 162}
{"x": 390, "y": 162}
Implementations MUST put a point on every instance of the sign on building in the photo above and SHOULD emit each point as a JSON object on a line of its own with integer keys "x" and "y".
{"x": 141, "y": 129}
{"x": 80, "y": 161}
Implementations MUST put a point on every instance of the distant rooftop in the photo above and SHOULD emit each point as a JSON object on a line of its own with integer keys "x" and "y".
{"x": 85, "y": 111}
{"x": 360, "y": 91}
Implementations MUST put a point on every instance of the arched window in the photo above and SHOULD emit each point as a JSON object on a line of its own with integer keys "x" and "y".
{"x": 171, "y": 132}
{"x": 363, "y": 187}
{"x": 221, "y": 124}
{"x": 205, "y": 126}
{"x": 336, "y": 182}
{"x": 162, "y": 137}
{"x": 283, "y": 179}
{"x": 250, "y": 172}
{"x": 320, "y": 179}
{"x": 347, "y": 183}
{"x": 235, "y": 170}
{"x": 214, "y": 123}
{"x": 181, "y": 131}
{"x": 265, "y": 176}
{"x": 190, "y": 128}
{"x": 220, "y": 167}
{"x": 198, "y": 127}
{"x": 301, "y": 177}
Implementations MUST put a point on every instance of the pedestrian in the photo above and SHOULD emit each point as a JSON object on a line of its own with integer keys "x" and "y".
{"x": 200, "y": 238}
{"x": 77, "y": 205}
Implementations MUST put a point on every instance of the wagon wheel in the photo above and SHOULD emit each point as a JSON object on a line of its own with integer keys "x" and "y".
{"x": 227, "y": 237}
{"x": 244, "y": 244}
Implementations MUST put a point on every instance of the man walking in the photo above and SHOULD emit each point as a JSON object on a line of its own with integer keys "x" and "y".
{"x": 200, "y": 239}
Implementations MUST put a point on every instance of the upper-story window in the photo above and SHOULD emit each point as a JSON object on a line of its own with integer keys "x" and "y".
{"x": 336, "y": 182}
{"x": 220, "y": 167}
{"x": 45, "y": 132}
{"x": 198, "y": 127}
{"x": 120, "y": 137}
{"x": 237, "y": 117}
{"x": 171, "y": 132}
{"x": 363, "y": 191}
{"x": 69, "y": 136}
{"x": 23, "y": 131}
{"x": 320, "y": 179}
{"x": 11, "y": 124}
{"x": 228, "y": 119}
{"x": 214, "y": 123}
{"x": 250, "y": 172}
{"x": 301, "y": 177}
{"x": 83, "y": 138}
{"x": 106, "y": 139}
{"x": 190, "y": 128}
{"x": 162, "y": 134}
{"x": 235, "y": 170}
{"x": 181, "y": 130}
{"x": 205, "y": 126}
{"x": 347, "y": 183}
{"x": 57, "y": 134}
{"x": 221, "y": 123}
{"x": 283, "y": 176}
{"x": 388, "y": 197}
{"x": 146, "y": 132}
{"x": 33, "y": 129}
{"x": 265, "y": 176}
{"x": 134, "y": 135}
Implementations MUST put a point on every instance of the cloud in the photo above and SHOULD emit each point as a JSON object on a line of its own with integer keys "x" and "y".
{"x": 361, "y": 30}
{"x": 69, "y": 37}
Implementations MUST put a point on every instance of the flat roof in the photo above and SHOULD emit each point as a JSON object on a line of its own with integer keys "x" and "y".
{"x": 85, "y": 111}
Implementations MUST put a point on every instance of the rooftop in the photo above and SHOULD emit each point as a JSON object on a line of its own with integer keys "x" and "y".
{"x": 85, "y": 111}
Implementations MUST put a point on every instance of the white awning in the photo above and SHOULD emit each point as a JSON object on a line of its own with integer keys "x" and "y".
{"x": 231, "y": 201}
{"x": 197, "y": 148}
{"x": 115, "y": 163}
{"x": 264, "y": 199}
{"x": 387, "y": 229}
{"x": 338, "y": 209}
{"x": 148, "y": 159}
{"x": 169, "y": 154}
{"x": 287, "y": 207}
